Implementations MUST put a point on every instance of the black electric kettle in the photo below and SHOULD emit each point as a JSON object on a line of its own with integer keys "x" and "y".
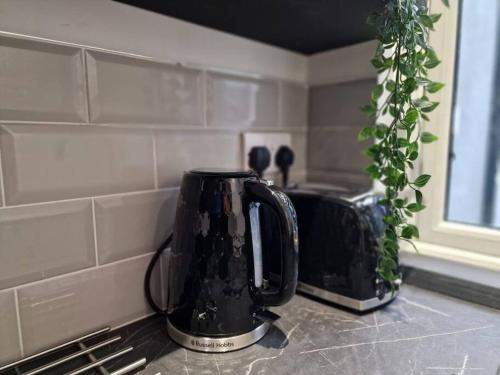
{"x": 218, "y": 287}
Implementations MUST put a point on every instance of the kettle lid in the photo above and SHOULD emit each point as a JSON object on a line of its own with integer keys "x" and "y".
{"x": 223, "y": 172}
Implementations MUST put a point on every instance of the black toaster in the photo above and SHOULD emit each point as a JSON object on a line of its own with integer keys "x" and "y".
{"x": 339, "y": 235}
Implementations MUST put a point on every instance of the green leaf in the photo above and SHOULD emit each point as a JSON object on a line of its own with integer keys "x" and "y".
{"x": 422, "y": 81}
{"x": 409, "y": 69}
{"x": 427, "y": 21}
{"x": 434, "y": 87}
{"x": 435, "y": 17}
{"x": 391, "y": 246}
{"x": 373, "y": 171}
{"x": 390, "y": 86}
{"x": 409, "y": 85}
{"x": 422, "y": 180}
{"x": 413, "y": 146}
{"x": 407, "y": 232}
{"x": 377, "y": 63}
{"x": 400, "y": 164}
{"x": 416, "y": 232}
{"x": 446, "y": 3}
{"x": 365, "y": 134}
{"x": 369, "y": 109}
{"x": 415, "y": 207}
{"x": 432, "y": 60}
{"x": 399, "y": 203}
{"x": 390, "y": 220}
{"x": 402, "y": 142}
{"x": 432, "y": 64}
{"x": 371, "y": 151}
{"x": 411, "y": 116}
{"x": 430, "y": 108}
{"x": 427, "y": 137}
{"x": 422, "y": 104}
{"x": 408, "y": 213}
{"x": 410, "y": 231}
{"x": 389, "y": 193}
{"x": 387, "y": 63}
{"x": 381, "y": 130}
{"x": 418, "y": 196}
{"x": 390, "y": 234}
{"x": 377, "y": 92}
{"x": 413, "y": 155}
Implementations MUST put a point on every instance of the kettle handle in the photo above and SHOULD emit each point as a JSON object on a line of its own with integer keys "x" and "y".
{"x": 280, "y": 203}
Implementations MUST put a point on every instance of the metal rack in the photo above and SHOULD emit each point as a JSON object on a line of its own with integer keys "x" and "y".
{"x": 84, "y": 350}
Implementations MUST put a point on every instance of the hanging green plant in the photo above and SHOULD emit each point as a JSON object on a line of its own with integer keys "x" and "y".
{"x": 403, "y": 58}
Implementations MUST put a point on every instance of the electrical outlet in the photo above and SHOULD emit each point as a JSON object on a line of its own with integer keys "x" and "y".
{"x": 272, "y": 141}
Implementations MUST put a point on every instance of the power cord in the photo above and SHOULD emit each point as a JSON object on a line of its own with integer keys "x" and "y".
{"x": 149, "y": 272}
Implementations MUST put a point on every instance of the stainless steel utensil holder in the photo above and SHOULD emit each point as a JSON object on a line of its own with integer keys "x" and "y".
{"x": 83, "y": 350}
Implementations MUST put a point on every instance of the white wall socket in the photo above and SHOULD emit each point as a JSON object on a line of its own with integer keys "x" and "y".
{"x": 272, "y": 141}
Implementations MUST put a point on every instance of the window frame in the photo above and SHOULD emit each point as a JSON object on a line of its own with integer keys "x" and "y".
{"x": 469, "y": 244}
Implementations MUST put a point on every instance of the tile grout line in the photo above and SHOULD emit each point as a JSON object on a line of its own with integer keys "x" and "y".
{"x": 176, "y": 127}
{"x": 2, "y": 183}
{"x": 126, "y": 193}
{"x": 155, "y": 161}
{"x": 18, "y": 318}
{"x": 86, "y": 84}
{"x": 204, "y": 94}
{"x": 279, "y": 116}
{"x": 86, "y": 269}
{"x": 95, "y": 233}
{"x": 147, "y": 315}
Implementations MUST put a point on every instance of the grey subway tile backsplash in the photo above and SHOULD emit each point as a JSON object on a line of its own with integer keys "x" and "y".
{"x": 91, "y": 189}
{"x": 299, "y": 147}
{"x": 46, "y": 163}
{"x": 237, "y": 101}
{"x": 133, "y": 224}
{"x": 41, "y": 82}
{"x": 338, "y": 104}
{"x": 45, "y": 240}
{"x": 293, "y": 105}
{"x": 181, "y": 151}
{"x": 1, "y": 185}
{"x": 333, "y": 151}
{"x": 129, "y": 90}
{"x": 60, "y": 308}
{"x": 10, "y": 348}
{"x": 355, "y": 180}
{"x": 336, "y": 150}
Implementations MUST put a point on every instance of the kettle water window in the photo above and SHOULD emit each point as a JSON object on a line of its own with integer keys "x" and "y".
{"x": 257, "y": 243}
{"x": 473, "y": 191}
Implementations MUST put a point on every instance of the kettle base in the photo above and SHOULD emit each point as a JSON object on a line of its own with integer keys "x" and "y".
{"x": 217, "y": 345}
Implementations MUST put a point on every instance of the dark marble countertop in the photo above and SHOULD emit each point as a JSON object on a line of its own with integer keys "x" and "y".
{"x": 421, "y": 332}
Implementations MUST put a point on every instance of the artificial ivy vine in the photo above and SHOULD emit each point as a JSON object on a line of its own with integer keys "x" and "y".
{"x": 403, "y": 58}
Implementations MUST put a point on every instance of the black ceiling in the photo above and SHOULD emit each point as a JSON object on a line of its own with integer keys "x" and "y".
{"x": 304, "y": 26}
